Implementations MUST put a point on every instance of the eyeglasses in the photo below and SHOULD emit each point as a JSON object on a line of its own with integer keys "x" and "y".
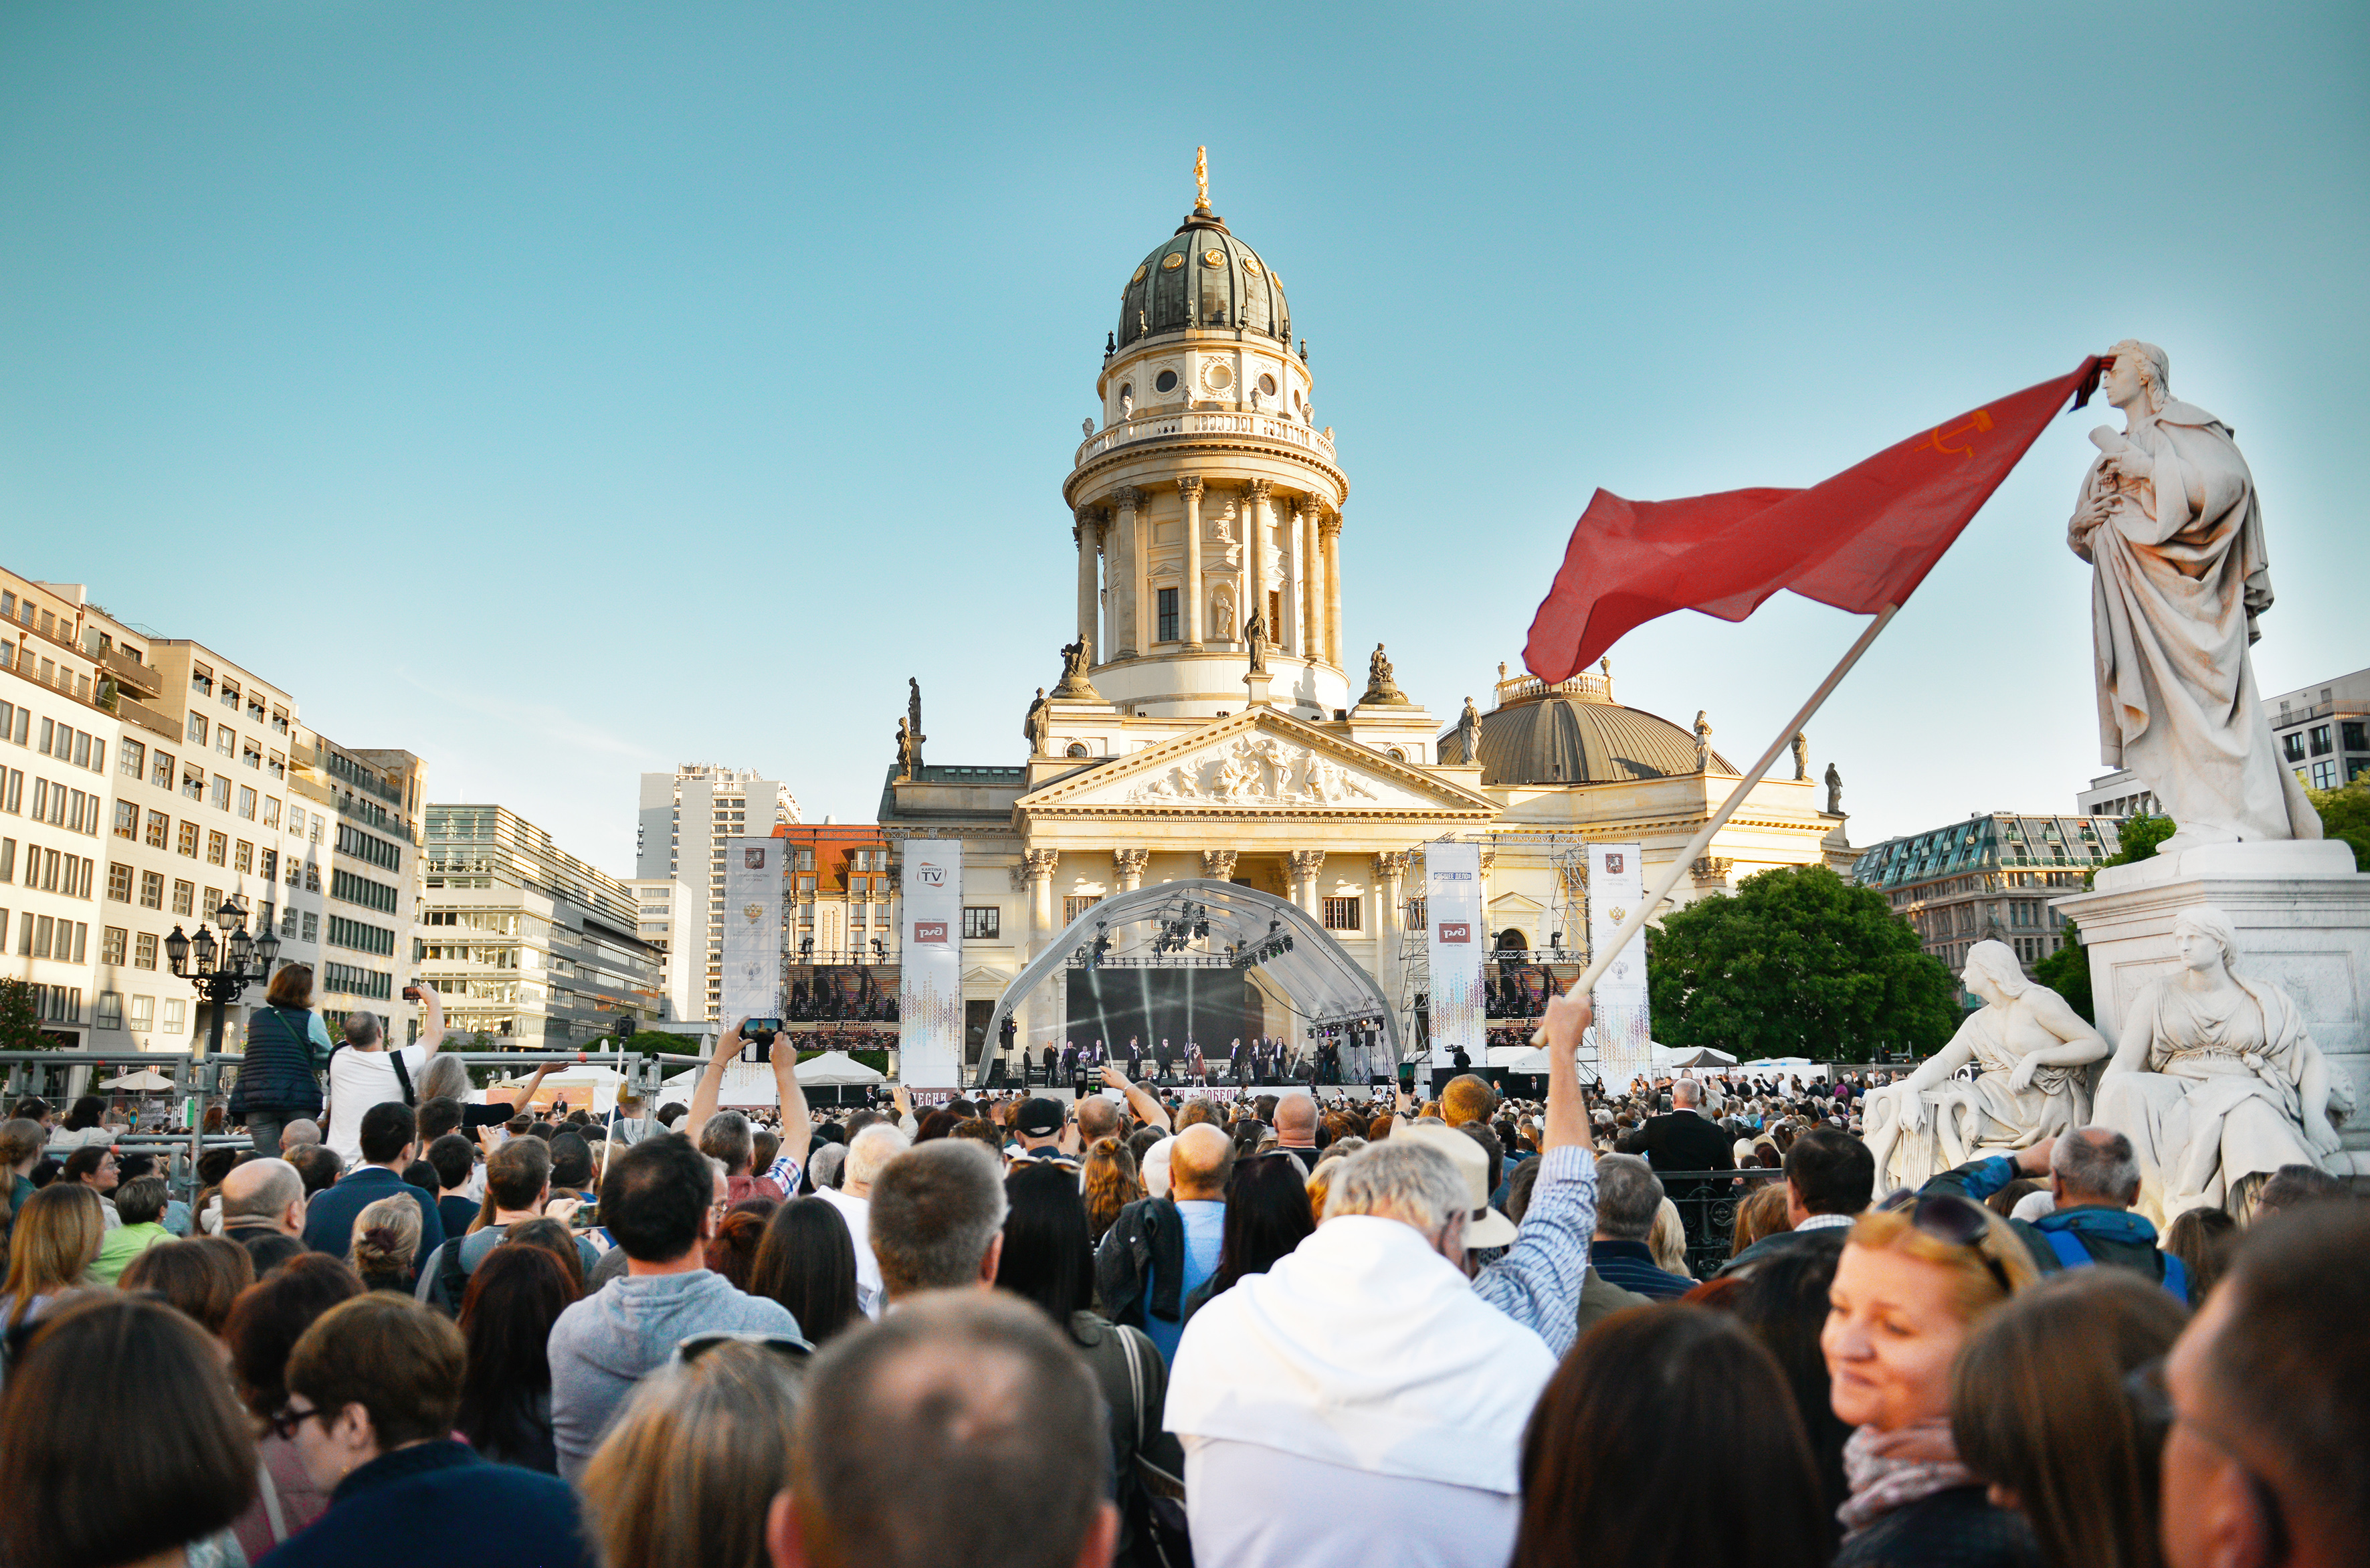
{"x": 791, "y": 1347}
{"x": 1945, "y": 1216}
{"x": 2151, "y": 1398}
{"x": 288, "y": 1420}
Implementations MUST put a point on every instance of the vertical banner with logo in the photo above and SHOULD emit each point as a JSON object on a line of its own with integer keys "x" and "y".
{"x": 929, "y": 990}
{"x": 1616, "y": 885}
{"x": 752, "y": 960}
{"x": 1452, "y": 877}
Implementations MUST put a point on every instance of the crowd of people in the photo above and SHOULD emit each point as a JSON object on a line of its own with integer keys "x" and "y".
{"x": 405, "y": 1325}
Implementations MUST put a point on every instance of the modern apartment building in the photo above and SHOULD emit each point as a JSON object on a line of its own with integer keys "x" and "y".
{"x": 2322, "y": 732}
{"x": 658, "y": 901}
{"x": 210, "y": 790}
{"x": 685, "y": 818}
{"x": 525, "y": 941}
{"x": 1988, "y": 878}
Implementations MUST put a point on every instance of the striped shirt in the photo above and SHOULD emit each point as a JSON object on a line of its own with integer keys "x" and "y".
{"x": 1538, "y": 1282}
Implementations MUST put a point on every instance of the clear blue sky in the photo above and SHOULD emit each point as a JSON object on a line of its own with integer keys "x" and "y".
{"x": 566, "y": 390}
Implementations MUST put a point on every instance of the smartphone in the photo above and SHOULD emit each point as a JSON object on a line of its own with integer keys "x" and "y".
{"x": 761, "y": 1030}
{"x": 587, "y": 1215}
{"x": 411, "y": 993}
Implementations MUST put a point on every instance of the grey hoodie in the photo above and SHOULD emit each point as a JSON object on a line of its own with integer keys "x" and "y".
{"x": 604, "y": 1344}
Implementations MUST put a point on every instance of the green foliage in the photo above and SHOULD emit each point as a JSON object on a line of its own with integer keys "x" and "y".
{"x": 2138, "y": 837}
{"x": 1797, "y": 962}
{"x": 21, "y": 1026}
{"x": 2345, "y": 813}
{"x": 2068, "y": 973}
{"x": 655, "y": 1042}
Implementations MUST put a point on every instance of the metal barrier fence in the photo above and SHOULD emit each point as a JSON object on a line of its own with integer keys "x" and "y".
{"x": 1707, "y": 1202}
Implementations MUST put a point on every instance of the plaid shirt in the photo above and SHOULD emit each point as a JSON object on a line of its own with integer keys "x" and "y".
{"x": 1538, "y": 1282}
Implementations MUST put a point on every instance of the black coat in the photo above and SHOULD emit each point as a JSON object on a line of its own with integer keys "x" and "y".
{"x": 1148, "y": 1233}
{"x": 1686, "y": 1141}
{"x": 282, "y": 1070}
{"x": 1953, "y": 1528}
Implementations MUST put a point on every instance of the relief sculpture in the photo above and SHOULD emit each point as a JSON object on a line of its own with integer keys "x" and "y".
{"x": 1255, "y": 770}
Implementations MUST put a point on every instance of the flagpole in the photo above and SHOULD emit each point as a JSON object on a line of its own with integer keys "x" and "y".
{"x": 1599, "y": 962}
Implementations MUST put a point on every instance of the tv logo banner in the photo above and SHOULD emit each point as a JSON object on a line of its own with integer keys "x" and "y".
{"x": 751, "y": 960}
{"x": 929, "y": 985}
{"x": 1617, "y": 885}
{"x": 1453, "y": 904}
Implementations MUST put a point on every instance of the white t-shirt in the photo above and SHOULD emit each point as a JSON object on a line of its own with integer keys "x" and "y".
{"x": 358, "y": 1080}
{"x": 870, "y": 1294}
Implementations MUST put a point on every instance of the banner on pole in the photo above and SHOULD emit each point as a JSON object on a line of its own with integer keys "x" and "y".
{"x": 752, "y": 957}
{"x": 929, "y": 988}
{"x": 1616, "y": 885}
{"x": 1453, "y": 908}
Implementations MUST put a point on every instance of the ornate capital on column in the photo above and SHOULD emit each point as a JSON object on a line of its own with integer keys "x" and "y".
{"x": 1391, "y": 863}
{"x": 1037, "y": 865}
{"x": 1088, "y": 528}
{"x": 1130, "y": 863}
{"x": 1488, "y": 859}
{"x": 1190, "y": 487}
{"x": 1712, "y": 868}
{"x": 1127, "y": 498}
{"x": 1329, "y": 526}
{"x": 1217, "y": 865}
{"x": 1307, "y": 862}
{"x": 1259, "y": 489}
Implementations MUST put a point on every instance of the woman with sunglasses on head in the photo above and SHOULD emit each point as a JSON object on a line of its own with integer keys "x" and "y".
{"x": 2043, "y": 1407}
{"x": 1917, "y": 1277}
{"x": 374, "y": 1389}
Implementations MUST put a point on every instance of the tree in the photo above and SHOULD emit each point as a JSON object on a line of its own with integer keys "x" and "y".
{"x": 1798, "y": 962}
{"x": 20, "y": 1025}
{"x": 2345, "y": 813}
{"x": 2138, "y": 837}
{"x": 2068, "y": 973}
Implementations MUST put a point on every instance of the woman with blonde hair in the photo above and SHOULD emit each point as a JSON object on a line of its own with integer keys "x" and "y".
{"x": 686, "y": 1477}
{"x": 386, "y": 1236}
{"x": 1669, "y": 1241}
{"x": 1108, "y": 1179}
{"x": 1917, "y": 1277}
{"x": 49, "y": 1253}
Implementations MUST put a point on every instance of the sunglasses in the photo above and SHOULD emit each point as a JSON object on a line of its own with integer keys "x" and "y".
{"x": 1945, "y": 1216}
{"x": 790, "y": 1348}
{"x": 288, "y": 1420}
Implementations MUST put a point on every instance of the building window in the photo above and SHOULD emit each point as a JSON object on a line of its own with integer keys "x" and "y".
{"x": 2321, "y": 739}
{"x": 177, "y": 1014}
{"x": 246, "y": 802}
{"x": 185, "y": 897}
{"x": 983, "y": 923}
{"x": 1167, "y": 615}
{"x": 2356, "y": 733}
{"x": 242, "y": 856}
{"x": 197, "y": 728}
{"x": 109, "y": 1013}
{"x": 1343, "y": 914}
{"x": 221, "y": 796}
{"x": 144, "y": 954}
{"x": 127, "y": 820}
{"x": 1075, "y": 907}
{"x": 152, "y": 890}
{"x": 217, "y": 848}
{"x": 118, "y": 881}
{"x": 2292, "y": 746}
{"x": 144, "y": 1013}
{"x": 132, "y": 758}
{"x": 112, "y": 941}
{"x": 2324, "y": 775}
{"x": 1275, "y": 614}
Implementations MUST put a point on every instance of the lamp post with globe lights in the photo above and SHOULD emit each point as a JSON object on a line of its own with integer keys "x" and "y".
{"x": 225, "y": 969}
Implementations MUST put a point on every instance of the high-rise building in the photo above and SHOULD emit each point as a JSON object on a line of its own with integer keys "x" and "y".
{"x": 2322, "y": 732}
{"x": 526, "y": 943}
{"x": 685, "y": 816}
{"x": 659, "y": 899}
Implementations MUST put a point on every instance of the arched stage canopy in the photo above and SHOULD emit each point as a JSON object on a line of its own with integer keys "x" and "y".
{"x": 1318, "y": 981}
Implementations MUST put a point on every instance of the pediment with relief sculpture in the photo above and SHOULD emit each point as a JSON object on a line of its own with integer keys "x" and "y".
{"x": 1258, "y": 761}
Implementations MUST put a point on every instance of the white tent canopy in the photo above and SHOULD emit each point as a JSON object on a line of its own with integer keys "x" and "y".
{"x": 835, "y": 1069}
{"x": 586, "y": 1080}
{"x": 140, "y": 1081}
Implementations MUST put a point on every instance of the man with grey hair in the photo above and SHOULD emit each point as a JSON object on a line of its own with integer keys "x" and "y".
{"x": 2094, "y": 1174}
{"x": 936, "y": 1218}
{"x": 865, "y": 1156}
{"x": 1628, "y": 1196}
{"x": 1362, "y": 1368}
{"x": 364, "y": 1072}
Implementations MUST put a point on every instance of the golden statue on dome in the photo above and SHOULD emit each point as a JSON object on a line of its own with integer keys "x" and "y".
{"x": 1201, "y": 180}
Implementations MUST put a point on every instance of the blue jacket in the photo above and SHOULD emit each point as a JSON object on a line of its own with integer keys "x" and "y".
{"x": 439, "y": 1503}
{"x": 283, "y": 1065}
{"x": 329, "y": 1218}
{"x": 2091, "y": 1232}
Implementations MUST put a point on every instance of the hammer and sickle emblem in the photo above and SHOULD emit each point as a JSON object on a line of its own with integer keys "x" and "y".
{"x": 1977, "y": 422}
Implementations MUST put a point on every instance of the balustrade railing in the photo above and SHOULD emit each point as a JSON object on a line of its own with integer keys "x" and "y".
{"x": 1186, "y": 422}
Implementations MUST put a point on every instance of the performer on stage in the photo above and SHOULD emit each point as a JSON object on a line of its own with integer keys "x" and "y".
{"x": 1069, "y": 1060}
{"x": 1134, "y": 1059}
{"x": 1161, "y": 1057}
{"x": 1196, "y": 1070}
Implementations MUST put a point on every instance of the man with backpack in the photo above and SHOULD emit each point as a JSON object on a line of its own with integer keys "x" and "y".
{"x": 364, "y": 1072}
{"x": 2095, "y": 1176}
{"x": 518, "y": 1178}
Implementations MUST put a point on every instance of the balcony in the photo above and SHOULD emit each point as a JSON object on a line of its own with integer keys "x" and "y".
{"x": 131, "y": 674}
{"x": 147, "y": 718}
{"x": 1184, "y": 422}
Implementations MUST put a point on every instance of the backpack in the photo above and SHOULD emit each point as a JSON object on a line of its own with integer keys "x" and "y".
{"x": 2073, "y": 1255}
{"x": 394, "y": 1058}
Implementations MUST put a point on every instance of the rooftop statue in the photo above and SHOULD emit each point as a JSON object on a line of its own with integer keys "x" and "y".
{"x": 2168, "y": 519}
{"x": 1380, "y": 687}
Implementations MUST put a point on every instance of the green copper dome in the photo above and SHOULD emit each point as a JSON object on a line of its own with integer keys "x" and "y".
{"x": 1202, "y": 277}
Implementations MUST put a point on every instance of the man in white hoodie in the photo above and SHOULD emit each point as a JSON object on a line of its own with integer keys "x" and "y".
{"x": 1367, "y": 1369}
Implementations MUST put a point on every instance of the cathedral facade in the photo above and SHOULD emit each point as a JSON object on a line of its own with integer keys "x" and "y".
{"x": 1211, "y": 719}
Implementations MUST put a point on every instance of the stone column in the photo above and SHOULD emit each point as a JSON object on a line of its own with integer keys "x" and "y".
{"x": 1088, "y": 532}
{"x": 1036, "y": 873}
{"x": 1255, "y": 557}
{"x": 1391, "y": 865}
{"x": 1129, "y": 866}
{"x": 1190, "y": 592}
{"x": 1330, "y": 529}
{"x": 1218, "y": 865}
{"x": 1127, "y": 608}
{"x": 1312, "y": 581}
{"x": 1306, "y": 864}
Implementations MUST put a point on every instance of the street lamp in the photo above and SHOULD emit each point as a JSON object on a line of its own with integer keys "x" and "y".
{"x": 244, "y": 961}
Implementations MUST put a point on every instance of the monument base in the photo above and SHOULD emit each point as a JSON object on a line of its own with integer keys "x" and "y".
{"x": 2302, "y": 913}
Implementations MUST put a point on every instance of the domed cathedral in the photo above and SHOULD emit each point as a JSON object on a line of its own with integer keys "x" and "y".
{"x": 1208, "y": 506}
{"x": 1208, "y": 718}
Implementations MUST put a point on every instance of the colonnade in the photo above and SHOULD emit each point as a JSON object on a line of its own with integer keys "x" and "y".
{"x": 1118, "y": 604}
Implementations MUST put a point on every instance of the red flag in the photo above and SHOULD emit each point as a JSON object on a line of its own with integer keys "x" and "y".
{"x": 1859, "y": 541}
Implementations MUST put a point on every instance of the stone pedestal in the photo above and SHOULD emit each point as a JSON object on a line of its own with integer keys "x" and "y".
{"x": 1257, "y": 682}
{"x": 2303, "y": 918}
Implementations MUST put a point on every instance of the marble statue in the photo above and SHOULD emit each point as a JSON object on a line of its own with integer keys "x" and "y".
{"x": 2168, "y": 519}
{"x": 1801, "y": 756}
{"x": 1703, "y": 742}
{"x": 1468, "y": 733}
{"x": 1255, "y": 634}
{"x": 2029, "y": 1047}
{"x": 1076, "y": 657}
{"x": 2215, "y": 1081}
{"x": 1037, "y": 726}
{"x": 1835, "y": 790}
{"x": 1222, "y": 614}
{"x": 1086, "y": 428}
{"x": 909, "y": 751}
{"x": 1380, "y": 687}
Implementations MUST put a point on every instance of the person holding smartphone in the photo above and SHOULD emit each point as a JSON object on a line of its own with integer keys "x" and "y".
{"x": 364, "y": 1072}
